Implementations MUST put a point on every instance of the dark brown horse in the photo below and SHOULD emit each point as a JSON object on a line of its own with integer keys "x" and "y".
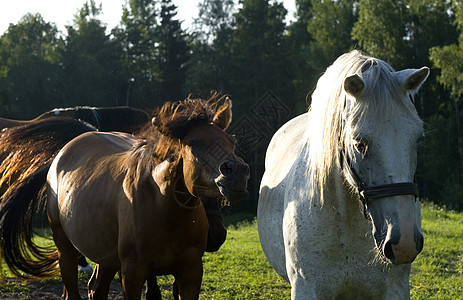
{"x": 148, "y": 219}
{"x": 16, "y": 163}
{"x": 120, "y": 118}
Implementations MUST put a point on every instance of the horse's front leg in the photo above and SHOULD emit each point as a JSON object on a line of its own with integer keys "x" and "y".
{"x": 98, "y": 286}
{"x": 134, "y": 276}
{"x": 189, "y": 281}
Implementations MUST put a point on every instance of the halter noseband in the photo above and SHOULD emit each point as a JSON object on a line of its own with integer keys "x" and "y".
{"x": 367, "y": 193}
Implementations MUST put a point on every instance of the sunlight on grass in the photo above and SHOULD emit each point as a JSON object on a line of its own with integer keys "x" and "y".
{"x": 239, "y": 270}
{"x": 437, "y": 273}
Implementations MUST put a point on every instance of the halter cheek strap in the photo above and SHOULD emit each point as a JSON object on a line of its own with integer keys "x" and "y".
{"x": 367, "y": 193}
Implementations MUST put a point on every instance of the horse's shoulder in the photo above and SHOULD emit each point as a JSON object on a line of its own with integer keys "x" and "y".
{"x": 284, "y": 150}
{"x": 287, "y": 141}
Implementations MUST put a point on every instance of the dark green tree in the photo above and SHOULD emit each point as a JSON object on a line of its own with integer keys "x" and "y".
{"x": 259, "y": 51}
{"x": 209, "y": 67}
{"x": 320, "y": 34}
{"x": 259, "y": 65}
{"x": 299, "y": 42}
{"x": 449, "y": 58}
{"x": 381, "y": 30}
{"x": 30, "y": 73}
{"x": 330, "y": 28}
{"x": 155, "y": 52}
{"x": 137, "y": 35}
{"x": 402, "y": 32}
{"x": 214, "y": 17}
{"x": 91, "y": 62}
{"x": 445, "y": 157}
{"x": 172, "y": 54}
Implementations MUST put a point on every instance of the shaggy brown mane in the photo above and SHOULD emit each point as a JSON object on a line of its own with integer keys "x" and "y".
{"x": 172, "y": 121}
{"x": 161, "y": 140}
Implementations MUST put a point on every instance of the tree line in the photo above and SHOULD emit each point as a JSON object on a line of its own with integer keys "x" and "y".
{"x": 244, "y": 49}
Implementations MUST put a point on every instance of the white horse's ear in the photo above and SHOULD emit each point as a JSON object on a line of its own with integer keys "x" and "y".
{"x": 411, "y": 79}
{"x": 354, "y": 85}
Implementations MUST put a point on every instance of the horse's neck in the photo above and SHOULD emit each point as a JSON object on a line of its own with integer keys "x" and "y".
{"x": 182, "y": 196}
{"x": 338, "y": 195}
{"x": 168, "y": 176}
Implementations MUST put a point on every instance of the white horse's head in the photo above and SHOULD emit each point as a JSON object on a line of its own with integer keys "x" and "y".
{"x": 371, "y": 133}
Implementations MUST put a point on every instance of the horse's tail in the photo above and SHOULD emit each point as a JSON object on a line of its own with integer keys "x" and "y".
{"x": 23, "y": 256}
{"x": 27, "y": 147}
{"x": 27, "y": 152}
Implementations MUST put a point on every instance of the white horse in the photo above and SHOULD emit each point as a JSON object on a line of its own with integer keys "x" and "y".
{"x": 338, "y": 214}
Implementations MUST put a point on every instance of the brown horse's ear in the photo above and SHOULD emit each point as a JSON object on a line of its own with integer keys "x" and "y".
{"x": 223, "y": 116}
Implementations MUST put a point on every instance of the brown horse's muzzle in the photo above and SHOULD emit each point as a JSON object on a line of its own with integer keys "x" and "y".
{"x": 233, "y": 179}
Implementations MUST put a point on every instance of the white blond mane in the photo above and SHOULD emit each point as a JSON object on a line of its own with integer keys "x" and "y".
{"x": 382, "y": 98}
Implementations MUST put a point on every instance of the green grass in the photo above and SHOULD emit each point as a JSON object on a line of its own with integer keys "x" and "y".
{"x": 437, "y": 273}
{"x": 239, "y": 270}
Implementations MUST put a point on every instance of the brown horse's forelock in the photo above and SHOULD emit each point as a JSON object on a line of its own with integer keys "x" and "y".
{"x": 171, "y": 124}
{"x": 176, "y": 118}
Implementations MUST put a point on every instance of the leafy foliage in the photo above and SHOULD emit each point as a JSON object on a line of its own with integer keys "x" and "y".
{"x": 30, "y": 72}
{"x": 91, "y": 59}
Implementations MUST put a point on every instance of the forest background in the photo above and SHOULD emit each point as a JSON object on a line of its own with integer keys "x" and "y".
{"x": 244, "y": 49}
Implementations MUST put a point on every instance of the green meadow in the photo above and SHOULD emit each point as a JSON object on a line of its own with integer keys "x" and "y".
{"x": 239, "y": 270}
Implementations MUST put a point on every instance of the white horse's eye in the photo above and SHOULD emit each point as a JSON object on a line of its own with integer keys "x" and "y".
{"x": 361, "y": 147}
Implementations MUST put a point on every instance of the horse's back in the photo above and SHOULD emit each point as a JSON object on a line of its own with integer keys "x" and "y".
{"x": 283, "y": 151}
{"x": 82, "y": 193}
{"x": 6, "y": 123}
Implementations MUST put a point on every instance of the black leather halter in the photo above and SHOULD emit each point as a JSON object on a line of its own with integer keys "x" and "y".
{"x": 367, "y": 193}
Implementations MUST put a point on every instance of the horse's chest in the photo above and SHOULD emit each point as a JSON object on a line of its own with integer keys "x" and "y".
{"x": 165, "y": 244}
{"x": 354, "y": 280}
{"x": 329, "y": 253}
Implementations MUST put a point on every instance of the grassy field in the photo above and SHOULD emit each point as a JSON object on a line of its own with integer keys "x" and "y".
{"x": 240, "y": 271}
{"x": 437, "y": 273}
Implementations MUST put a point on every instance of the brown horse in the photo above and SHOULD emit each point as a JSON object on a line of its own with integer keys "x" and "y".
{"x": 120, "y": 118}
{"x": 16, "y": 163}
{"x": 148, "y": 219}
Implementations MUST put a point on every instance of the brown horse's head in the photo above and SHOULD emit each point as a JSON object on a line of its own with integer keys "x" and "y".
{"x": 206, "y": 152}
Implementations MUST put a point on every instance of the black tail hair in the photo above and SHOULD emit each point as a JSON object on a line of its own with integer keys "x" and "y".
{"x": 24, "y": 257}
{"x": 28, "y": 152}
